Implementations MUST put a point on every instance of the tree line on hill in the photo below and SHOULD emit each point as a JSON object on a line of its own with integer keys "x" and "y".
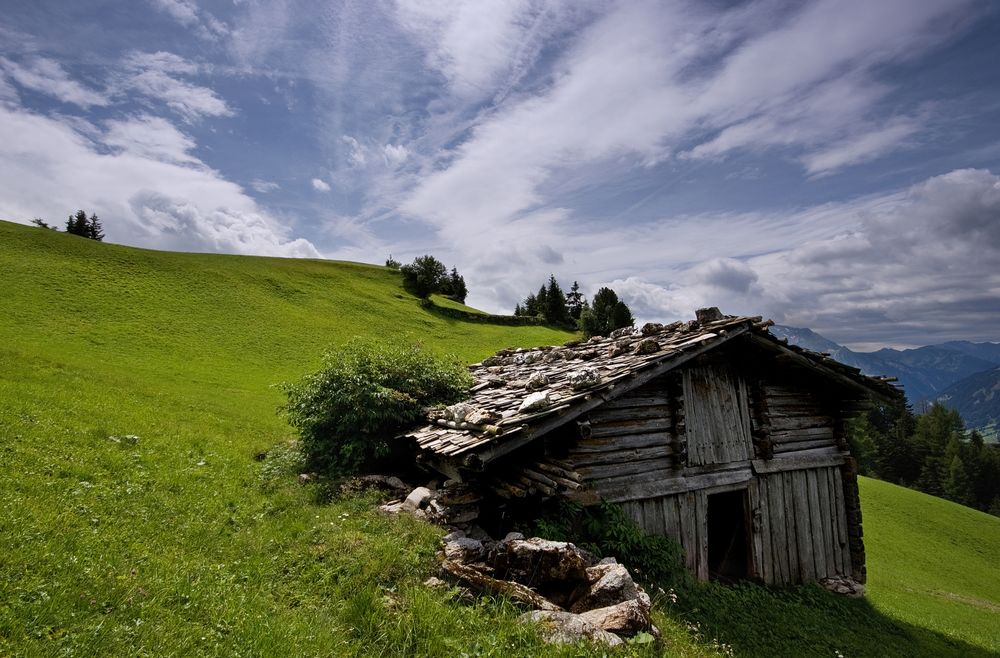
{"x": 78, "y": 224}
{"x": 597, "y": 318}
{"x": 426, "y": 275}
{"x": 930, "y": 452}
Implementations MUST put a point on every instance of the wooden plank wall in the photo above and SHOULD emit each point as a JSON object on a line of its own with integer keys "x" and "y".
{"x": 718, "y": 415}
{"x": 682, "y": 518}
{"x": 631, "y": 439}
{"x": 797, "y": 420}
{"x": 802, "y": 526}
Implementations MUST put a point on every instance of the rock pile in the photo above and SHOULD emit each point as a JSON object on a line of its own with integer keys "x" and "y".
{"x": 574, "y": 595}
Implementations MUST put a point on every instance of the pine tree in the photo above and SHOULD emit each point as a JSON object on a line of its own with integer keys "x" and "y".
{"x": 541, "y": 301}
{"x": 957, "y": 486}
{"x": 456, "y": 286}
{"x": 94, "y": 229}
{"x": 555, "y": 303}
{"x": 574, "y": 301}
{"x": 77, "y": 224}
{"x": 530, "y": 307}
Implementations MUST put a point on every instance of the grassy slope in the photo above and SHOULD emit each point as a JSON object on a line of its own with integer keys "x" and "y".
{"x": 179, "y": 543}
{"x": 933, "y": 563}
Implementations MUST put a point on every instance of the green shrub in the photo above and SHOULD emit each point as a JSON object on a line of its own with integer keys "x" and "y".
{"x": 365, "y": 393}
{"x": 605, "y": 530}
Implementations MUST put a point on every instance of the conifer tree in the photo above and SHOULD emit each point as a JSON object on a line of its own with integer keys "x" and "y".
{"x": 574, "y": 301}
{"x": 555, "y": 303}
{"x": 541, "y": 301}
{"x": 77, "y": 224}
{"x": 94, "y": 229}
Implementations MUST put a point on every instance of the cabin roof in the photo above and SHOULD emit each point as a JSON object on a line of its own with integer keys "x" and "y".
{"x": 567, "y": 381}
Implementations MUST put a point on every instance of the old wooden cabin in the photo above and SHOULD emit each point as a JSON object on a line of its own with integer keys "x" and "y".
{"x": 713, "y": 432}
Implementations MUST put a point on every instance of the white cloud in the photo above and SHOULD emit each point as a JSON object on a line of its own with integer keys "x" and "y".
{"x": 395, "y": 154}
{"x": 475, "y": 44}
{"x": 147, "y": 190}
{"x": 357, "y": 154}
{"x": 154, "y": 75}
{"x": 150, "y": 137}
{"x": 48, "y": 77}
{"x": 648, "y": 77}
{"x": 264, "y": 186}
{"x": 187, "y": 13}
{"x": 862, "y": 147}
{"x": 909, "y": 268}
{"x": 320, "y": 186}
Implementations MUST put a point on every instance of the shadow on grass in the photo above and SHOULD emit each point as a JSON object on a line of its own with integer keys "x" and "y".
{"x": 809, "y": 621}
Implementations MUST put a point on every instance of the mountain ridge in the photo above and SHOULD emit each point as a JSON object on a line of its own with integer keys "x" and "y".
{"x": 961, "y": 374}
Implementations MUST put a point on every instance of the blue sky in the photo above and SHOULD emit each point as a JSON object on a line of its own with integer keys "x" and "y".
{"x": 827, "y": 164}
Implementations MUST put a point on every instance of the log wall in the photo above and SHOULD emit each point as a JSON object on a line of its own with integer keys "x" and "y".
{"x": 635, "y": 438}
{"x": 794, "y": 419}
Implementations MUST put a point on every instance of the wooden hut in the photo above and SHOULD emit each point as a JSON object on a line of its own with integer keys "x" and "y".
{"x": 712, "y": 432}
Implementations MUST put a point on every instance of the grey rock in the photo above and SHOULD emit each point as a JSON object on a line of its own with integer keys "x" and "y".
{"x": 613, "y": 585}
{"x": 843, "y": 585}
{"x": 583, "y": 378}
{"x": 647, "y": 346}
{"x": 567, "y": 628}
{"x": 453, "y": 535}
{"x": 536, "y": 401}
{"x": 626, "y": 618}
{"x": 512, "y": 536}
{"x": 417, "y": 499}
{"x": 464, "y": 550}
{"x": 457, "y": 412}
{"x": 618, "y": 349}
{"x": 651, "y": 328}
{"x": 537, "y": 381}
{"x": 539, "y": 562}
{"x": 481, "y": 417}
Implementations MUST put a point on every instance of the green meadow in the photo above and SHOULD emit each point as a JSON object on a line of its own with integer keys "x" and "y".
{"x": 149, "y": 503}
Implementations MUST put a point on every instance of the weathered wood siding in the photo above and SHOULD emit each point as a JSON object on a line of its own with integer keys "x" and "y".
{"x": 717, "y": 415}
{"x": 683, "y": 518}
{"x": 632, "y": 439}
{"x": 796, "y": 419}
{"x": 800, "y": 519}
{"x": 800, "y": 528}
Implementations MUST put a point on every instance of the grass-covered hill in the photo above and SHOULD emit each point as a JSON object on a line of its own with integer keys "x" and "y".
{"x": 137, "y": 517}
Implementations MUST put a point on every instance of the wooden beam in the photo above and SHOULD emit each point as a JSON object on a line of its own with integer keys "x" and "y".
{"x": 794, "y": 462}
{"x": 665, "y": 487}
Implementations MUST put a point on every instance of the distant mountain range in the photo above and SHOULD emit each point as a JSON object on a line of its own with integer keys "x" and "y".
{"x": 960, "y": 374}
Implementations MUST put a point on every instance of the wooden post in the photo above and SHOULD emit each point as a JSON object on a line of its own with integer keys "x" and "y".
{"x": 852, "y": 504}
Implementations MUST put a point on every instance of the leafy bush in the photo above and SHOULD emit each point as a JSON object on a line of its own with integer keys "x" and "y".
{"x": 605, "y": 531}
{"x": 365, "y": 393}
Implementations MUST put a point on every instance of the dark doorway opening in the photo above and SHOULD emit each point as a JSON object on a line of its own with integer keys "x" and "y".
{"x": 728, "y": 537}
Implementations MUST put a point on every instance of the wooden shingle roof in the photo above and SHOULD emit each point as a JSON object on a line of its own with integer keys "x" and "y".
{"x": 520, "y": 394}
